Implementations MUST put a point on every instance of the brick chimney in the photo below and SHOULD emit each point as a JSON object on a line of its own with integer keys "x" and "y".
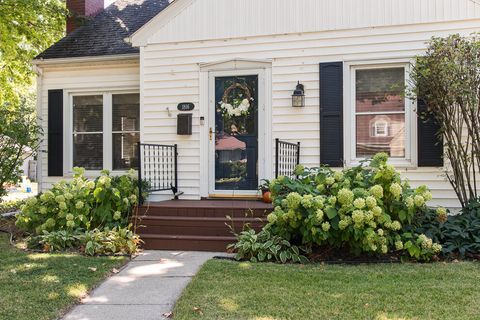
{"x": 81, "y": 9}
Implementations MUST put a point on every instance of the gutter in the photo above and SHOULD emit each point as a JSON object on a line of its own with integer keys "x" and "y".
{"x": 88, "y": 59}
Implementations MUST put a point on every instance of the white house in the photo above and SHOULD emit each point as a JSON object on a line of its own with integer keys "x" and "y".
{"x": 125, "y": 74}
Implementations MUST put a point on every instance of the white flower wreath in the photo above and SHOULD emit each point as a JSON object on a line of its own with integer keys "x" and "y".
{"x": 232, "y": 110}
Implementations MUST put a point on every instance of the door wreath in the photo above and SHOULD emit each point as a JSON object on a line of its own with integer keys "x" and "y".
{"x": 232, "y": 106}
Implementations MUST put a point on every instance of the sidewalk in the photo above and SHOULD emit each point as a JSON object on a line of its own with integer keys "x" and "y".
{"x": 145, "y": 289}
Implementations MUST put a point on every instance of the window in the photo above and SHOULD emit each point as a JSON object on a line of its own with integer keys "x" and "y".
{"x": 88, "y": 132}
{"x": 380, "y": 112}
{"x": 125, "y": 130}
{"x": 106, "y": 130}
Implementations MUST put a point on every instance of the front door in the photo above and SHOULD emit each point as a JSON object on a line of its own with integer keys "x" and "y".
{"x": 234, "y": 134}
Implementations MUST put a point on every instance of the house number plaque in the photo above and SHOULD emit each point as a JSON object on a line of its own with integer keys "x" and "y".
{"x": 185, "y": 106}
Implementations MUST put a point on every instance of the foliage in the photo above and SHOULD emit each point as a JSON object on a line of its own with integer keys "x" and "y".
{"x": 19, "y": 138}
{"x": 447, "y": 78}
{"x": 364, "y": 209}
{"x": 94, "y": 242}
{"x": 56, "y": 240}
{"x": 11, "y": 206}
{"x": 458, "y": 234}
{"x": 42, "y": 286}
{"x": 115, "y": 241}
{"x": 82, "y": 204}
{"x": 263, "y": 246}
{"x": 27, "y": 27}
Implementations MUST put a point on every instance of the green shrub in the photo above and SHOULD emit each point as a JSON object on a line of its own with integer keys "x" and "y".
{"x": 115, "y": 241}
{"x": 81, "y": 204}
{"x": 458, "y": 234}
{"x": 11, "y": 206}
{"x": 94, "y": 242}
{"x": 264, "y": 246}
{"x": 363, "y": 209}
{"x": 56, "y": 240}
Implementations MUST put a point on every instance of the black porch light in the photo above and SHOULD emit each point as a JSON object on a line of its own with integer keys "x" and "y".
{"x": 298, "y": 96}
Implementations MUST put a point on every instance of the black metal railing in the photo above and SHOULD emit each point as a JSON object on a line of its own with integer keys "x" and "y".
{"x": 158, "y": 168}
{"x": 287, "y": 157}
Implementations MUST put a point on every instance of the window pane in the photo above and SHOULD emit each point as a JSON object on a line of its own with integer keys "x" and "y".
{"x": 125, "y": 150}
{"x": 126, "y": 112}
{"x": 88, "y": 113}
{"x": 381, "y": 133}
{"x": 380, "y": 90}
{"x": 88, "y": 151}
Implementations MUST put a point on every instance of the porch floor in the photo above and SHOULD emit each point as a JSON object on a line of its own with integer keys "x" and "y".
{"x": 212, "y": 203}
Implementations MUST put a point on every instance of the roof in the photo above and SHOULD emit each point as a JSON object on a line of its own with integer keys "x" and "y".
{"x": 107, "y": 33}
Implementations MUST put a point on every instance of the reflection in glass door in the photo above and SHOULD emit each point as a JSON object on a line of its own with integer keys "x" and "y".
{"x": 236, "y": 133}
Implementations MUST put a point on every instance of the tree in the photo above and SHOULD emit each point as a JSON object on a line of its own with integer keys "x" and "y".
{"x": 447, "y": 78}
{"x": 27, "y": 27}
{"x": 19, "y": 138}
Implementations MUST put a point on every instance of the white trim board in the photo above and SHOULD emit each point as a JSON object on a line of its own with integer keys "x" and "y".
{"x": 265, "y": 158}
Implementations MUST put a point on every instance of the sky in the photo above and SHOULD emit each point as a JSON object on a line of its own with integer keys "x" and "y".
{"x": 108, "y": 2}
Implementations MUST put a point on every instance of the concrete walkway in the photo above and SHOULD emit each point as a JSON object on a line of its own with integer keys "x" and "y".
{"x": 146, "y": 288}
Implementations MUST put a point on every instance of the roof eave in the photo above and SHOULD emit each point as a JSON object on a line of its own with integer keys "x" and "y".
{"x": 57, "y": 61}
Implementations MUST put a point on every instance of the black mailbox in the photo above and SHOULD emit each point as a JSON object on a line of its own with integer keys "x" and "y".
{"x": 184, "y": 124}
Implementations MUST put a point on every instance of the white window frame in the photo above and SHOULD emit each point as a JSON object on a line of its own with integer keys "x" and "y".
{"x": 349, "y": 109}
{"x": 107, "y": 128}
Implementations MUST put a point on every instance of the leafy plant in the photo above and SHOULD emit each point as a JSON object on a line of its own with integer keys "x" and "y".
{"x": 56, "y": 240}
{"x": 19, "y": 138}
{"x": 458, "y": 234}
{"x": 82, "y": 204}
{"x": 11, "y": 206}
{"x": 364, "y": 209}
{"x": 115, "y": 241}
{"x": 263, "y": 246}
{"x": 447, "y": 79}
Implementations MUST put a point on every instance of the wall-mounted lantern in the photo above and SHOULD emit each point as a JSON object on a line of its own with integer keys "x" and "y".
{"x": 298, "y": 96}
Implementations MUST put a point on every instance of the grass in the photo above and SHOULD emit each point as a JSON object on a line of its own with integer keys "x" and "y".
{"x": 231, "y": 290}
{"x": 42, "y": 286}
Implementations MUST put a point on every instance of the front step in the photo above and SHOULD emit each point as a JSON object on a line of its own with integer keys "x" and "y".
{"x": 186, "y": 242}
{"x": 197, "y": 225}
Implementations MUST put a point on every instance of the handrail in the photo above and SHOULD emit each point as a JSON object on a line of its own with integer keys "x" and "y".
{"x": 287, "y": 157}
{"x": 158, "y": 167}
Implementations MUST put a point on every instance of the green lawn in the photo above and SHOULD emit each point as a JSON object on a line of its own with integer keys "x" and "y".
{"x": 42, "y": 286}
{"x": 231, "y": 290}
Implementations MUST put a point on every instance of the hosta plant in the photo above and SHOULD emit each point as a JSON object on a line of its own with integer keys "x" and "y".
{"x": 363, "y": 209}
{"x": 264, "y": 246}
{"x": 115, "y": 241}
{"x": 80, "y": 203}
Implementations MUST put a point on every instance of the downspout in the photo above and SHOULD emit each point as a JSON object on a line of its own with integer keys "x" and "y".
{"x": 39, "y": 72}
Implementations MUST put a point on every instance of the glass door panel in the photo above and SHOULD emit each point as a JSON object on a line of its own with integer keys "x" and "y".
{"x": 236, "y": 133}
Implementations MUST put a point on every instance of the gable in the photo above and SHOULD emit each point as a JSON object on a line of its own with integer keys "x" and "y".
{"x": 190, "y": 20}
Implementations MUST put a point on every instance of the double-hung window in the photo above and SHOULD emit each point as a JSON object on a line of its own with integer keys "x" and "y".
{"x": 105, "y": 131}
{"x": 381, "y": 114}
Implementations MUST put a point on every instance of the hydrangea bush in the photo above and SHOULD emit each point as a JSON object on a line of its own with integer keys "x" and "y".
{"x": 364, "y": 209}
{"x": 82, "y": 204}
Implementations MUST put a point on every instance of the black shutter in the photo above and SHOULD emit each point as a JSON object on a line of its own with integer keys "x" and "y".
{"x": 430, "y": 146}
{"x": 331, "y": 114}
{"x": 55, "y": 133}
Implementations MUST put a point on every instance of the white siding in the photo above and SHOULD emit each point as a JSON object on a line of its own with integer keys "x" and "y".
{"x": 94, "y": 77}
{"x": 170, "y": 74}
{"x": 224, "y": 19}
